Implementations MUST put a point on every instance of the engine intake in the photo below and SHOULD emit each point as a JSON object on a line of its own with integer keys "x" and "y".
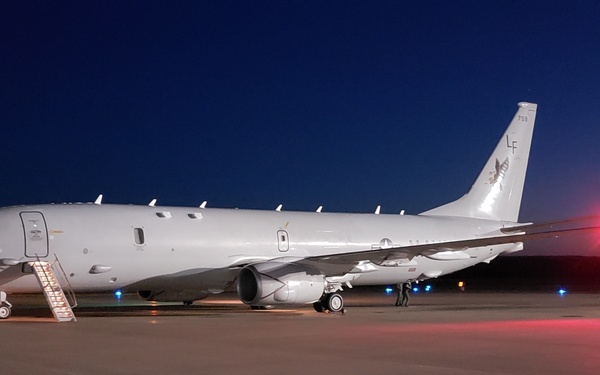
{"x": 275, "y": 283}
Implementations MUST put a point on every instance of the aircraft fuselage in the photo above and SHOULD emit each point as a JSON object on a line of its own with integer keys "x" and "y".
{"x": 108, "y": 247}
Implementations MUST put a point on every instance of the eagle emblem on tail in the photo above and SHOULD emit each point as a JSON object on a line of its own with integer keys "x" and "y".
{"x": 497, "y": 175}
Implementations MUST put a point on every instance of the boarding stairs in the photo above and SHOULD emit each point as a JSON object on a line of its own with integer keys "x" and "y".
{"x": 53, "y": 291}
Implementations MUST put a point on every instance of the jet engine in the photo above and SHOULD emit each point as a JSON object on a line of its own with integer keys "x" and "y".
{"x": 275, "y": 283}
{"x": 172, "y": 295}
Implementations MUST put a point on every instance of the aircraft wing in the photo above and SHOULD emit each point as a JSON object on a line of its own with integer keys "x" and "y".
{"x": 336, "y": 264}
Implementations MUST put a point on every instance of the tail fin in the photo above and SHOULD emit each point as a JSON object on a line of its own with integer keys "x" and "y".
{"x": 497, "y": 192}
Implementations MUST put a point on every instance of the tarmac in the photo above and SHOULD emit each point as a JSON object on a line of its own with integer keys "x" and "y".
{"x": 440, "y": 333}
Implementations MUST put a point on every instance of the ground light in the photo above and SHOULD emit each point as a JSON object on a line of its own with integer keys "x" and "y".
{"x": 562, "y": 292}
{"x": 389, "y": 290}
{"x": 428, "y": 288}
{"x": 118, "y": 294}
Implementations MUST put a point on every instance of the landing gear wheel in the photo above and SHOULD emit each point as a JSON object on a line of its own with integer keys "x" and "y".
{"x": 318, "y": 306}
{"x": 333, "y": 302}
{"x": 188, "y": 303}
{"x": 4, "y": 312}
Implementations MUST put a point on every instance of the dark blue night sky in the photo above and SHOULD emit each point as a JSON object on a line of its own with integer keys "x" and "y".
{"x": 251, "y": 104}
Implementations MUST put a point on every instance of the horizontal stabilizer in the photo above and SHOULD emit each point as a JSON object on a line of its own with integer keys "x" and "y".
{"x": 528, "y": 228}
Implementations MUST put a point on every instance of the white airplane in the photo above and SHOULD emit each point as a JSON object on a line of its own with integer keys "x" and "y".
{"x": 272, "y": 257}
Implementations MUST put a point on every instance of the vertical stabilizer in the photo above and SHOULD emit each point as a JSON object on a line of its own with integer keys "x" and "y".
{"x": 497, "y": 192}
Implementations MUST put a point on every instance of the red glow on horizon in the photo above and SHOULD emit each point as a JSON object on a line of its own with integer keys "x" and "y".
{"x": 596, "y": 233}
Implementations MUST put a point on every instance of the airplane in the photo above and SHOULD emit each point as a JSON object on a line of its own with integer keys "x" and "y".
{"x": 183, "y": 254}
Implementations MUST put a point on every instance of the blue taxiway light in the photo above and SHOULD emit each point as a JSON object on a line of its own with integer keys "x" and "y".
{"x": 415, "y": 289}
{"x": 389, "y": 290}
{"x": 428, "y": 288}
{"x": 118, "y": 294}
{"x": 562, "y": 292}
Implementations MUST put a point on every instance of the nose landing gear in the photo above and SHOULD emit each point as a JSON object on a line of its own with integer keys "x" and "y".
{"x": 5, "y": 306}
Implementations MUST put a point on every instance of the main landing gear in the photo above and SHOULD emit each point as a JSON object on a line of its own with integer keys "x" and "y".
{"x": 331, "y": 302}
{"x": 5, "y": 306}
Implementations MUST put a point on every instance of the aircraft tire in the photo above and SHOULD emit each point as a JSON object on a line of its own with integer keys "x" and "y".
{"x": 318, "y": 306}
{"x": 4, "y": 312}
{"x": 334, "y": 302}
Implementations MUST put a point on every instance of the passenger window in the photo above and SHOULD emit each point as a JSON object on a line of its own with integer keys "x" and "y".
{"x": 138, "y": 235}
{"x": 283, "y": 242}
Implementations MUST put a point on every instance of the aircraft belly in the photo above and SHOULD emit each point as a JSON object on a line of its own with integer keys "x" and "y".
{"x": 215, "y": 280}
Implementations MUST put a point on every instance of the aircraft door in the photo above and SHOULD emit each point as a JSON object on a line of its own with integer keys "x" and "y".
{"x": 36, "y": 234}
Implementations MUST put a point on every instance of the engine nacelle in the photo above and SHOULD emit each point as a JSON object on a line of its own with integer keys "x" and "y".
{"x": 276, "y": 283}
{"x": 172, "y": 295}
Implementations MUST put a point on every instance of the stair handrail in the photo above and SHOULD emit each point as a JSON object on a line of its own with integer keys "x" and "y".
{"x": 69, "y": 288}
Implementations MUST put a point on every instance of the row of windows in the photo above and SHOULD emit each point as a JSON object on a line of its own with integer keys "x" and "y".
{"x": 282, "y": 238}
{"x": 168, "y": 215}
